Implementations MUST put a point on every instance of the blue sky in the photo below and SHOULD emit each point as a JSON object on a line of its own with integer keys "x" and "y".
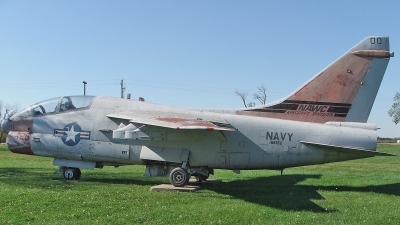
{"x": 191, "y": 54}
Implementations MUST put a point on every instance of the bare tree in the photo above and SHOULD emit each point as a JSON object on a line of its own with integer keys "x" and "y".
{"x": 6, "y": 111}
{"x": 394, "y": 112}
{"x": 243, "y": 96}
{"x": 261, "y": 95}
{"x": 251, "y": 104}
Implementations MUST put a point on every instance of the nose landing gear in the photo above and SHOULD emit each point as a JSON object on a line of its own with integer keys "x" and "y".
{"x": 71, "y": 173}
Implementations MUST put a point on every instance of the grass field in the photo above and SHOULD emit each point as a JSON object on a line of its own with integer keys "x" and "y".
{"x": 363, "y": 191}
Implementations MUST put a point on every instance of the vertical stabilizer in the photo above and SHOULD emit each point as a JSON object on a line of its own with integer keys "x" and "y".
{"x": 343, "y": 91}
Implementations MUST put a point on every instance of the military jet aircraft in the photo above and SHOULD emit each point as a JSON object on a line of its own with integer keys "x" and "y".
{"x": 323, "y": 121}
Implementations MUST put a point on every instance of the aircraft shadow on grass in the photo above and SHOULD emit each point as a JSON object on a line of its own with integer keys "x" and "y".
{"x": 35, "y": 176}
{"x": 284, "y": 192}
{"x": 280, "y": 192}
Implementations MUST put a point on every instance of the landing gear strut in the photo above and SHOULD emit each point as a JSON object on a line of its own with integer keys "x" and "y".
{"x": 200, "y": 177}
{"x": 70, "y": 173}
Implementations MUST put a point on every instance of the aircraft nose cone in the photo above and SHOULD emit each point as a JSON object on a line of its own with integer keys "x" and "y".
{"x": 4, "y": 126}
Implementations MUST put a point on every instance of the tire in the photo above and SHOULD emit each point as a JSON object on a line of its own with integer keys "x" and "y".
{"x": 78, "y": 174}
{"x": 179, "y": 177}
{"x": 72, "y": 173}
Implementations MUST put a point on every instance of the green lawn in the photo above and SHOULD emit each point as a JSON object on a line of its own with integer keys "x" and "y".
{"x": 363, "y": 191}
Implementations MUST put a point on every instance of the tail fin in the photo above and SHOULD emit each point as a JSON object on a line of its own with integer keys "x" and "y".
{"x": 343, "y": 91}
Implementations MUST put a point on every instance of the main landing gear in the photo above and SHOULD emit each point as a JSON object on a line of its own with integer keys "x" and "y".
{"x": 71, "y": 173}
{"x": 201, "y": 177}
{"x": 180, "y": 176}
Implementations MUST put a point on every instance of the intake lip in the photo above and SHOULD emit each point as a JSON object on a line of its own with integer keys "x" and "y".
{"x": 19, "y": 142}
{"x": 4, "y": 126}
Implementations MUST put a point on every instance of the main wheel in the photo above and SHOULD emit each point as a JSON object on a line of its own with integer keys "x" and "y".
{"x": 179, "y": 177}
{"x": 72, "y": 173}
{"x": 78, "y": 174}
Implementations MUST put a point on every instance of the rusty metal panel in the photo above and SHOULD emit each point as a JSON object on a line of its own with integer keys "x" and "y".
{"x": 343, "y": 91}
{"x": 19, "y": 142}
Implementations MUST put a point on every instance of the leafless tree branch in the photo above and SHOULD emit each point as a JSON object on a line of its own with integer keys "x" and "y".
{"x": 251, "y": 104}
{"x": 243, "y": 96}
{"x": 261, "y": 95}
{"x": 6, "y": 111}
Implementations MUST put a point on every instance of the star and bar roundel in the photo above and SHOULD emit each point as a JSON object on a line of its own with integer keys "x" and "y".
{"x": 71, "y": 134}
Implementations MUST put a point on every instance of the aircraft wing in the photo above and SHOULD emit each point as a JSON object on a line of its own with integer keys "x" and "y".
{"x": 347, "y": 150}
{"x": 174, "y": 121}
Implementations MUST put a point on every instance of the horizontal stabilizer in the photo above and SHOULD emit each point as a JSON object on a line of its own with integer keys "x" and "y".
{"x": 348, "y": 150}
{"x": 173, "y": 122}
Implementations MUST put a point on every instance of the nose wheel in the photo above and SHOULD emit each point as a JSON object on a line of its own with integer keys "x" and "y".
{"x": 72, "y": 173}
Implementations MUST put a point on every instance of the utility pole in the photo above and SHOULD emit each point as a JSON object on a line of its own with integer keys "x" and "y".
{"x": 84, "y": 87}
{"x": 122, "y": 88}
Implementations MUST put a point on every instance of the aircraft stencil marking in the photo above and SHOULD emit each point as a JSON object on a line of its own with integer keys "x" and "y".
{"x": 71, "y": 134}
{"x": 308, "y": 108}
{"x": 278, "y": 136}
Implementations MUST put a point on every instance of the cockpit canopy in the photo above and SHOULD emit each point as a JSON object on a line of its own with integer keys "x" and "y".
{"x": 57, "y": 105}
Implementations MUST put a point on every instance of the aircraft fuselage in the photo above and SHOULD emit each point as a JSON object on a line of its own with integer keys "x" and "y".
{"x": 257, "y": 143}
